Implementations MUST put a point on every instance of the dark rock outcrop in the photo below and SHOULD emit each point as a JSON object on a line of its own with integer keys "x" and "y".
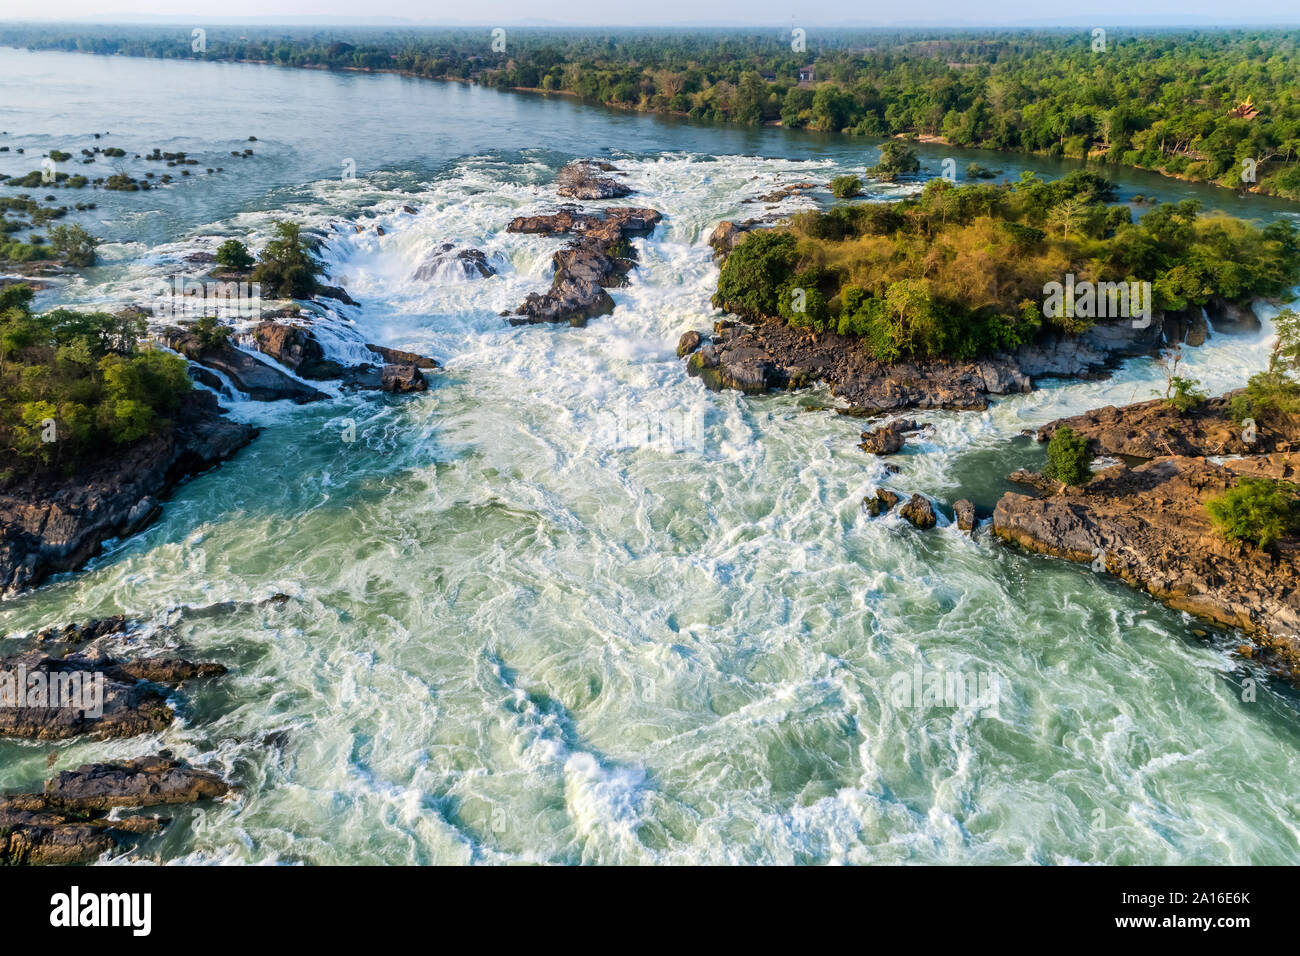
{"x": 449, "y": 262}
{"x": 68, "y": 823}
{"x": 296, "y": 348}
{"x": 1149, "y": 526}
{"x": 964, "y": 513}
{"x": 51, "y": 522}
{"x": 599, "y": 258}
{"x": 112, "y": 698}
{"x": 919, "y": 511}
{"x": 880, "y": 503}
{"x": 398, "y": 357}
{"x": 337, "y": 292}
{"x": 755, "y": 358}
{"x": 887, "y": 439}
{"x": 582, "y": 179}
{"x": 1154, "y": 429}
{"x": 258, "y": 380}
{"x": 401, "y": 378}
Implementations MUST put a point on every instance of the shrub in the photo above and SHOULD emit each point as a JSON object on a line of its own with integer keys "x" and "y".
{"x": 233, "y": 254}
{"x": 86, "y": 374}
{"x": 752, "y": 277}
{"x": 286, "y": 267}
{"x": 210, "y": 333}
{"x": 895, "y": 160}
{"x": 1257, "y": 511}
{"x": 75, "y": 245}
{"x": 846, "y": 187}
{"x": 1068, "y": 458}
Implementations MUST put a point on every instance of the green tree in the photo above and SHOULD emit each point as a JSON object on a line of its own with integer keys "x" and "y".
{"x": 286, "y": 266}
{"x": 1068, "y": 458}
{"x": 896, "y": 159}
{"x": 1257, "y": 511}
{"x": 233, "y": 254}
{"x": 75, "y": 245}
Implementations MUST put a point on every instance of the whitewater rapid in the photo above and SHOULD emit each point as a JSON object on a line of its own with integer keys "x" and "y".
{"x": 511, "y": 638}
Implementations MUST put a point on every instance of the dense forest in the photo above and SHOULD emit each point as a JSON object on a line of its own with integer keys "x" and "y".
{"x": 74, "y": 385}
{"x": 1203, "y": 105}
{"x": 963, "y": 270}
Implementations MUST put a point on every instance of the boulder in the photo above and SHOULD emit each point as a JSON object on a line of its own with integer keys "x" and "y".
{"x": 880, "y": 503}
{"x": 887, "y": 439}
{"x": 258, "y": 380}
{"x": 581, "y": 179}
{"x": 919, "y": 512}
{"x": 402, "y": 378}
{"x": 398, "y": 357}
{"x": 448, "y": 263}
{"x": 296, "y": 348}
{"x": 964, "y": 513}
{"x": 688, "y": 343}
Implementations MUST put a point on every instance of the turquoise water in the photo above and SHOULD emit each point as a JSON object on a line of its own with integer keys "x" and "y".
{"x": 513, "y": 637}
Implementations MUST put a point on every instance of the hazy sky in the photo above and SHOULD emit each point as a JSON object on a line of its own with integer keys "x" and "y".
{"x": 739, "y": 12}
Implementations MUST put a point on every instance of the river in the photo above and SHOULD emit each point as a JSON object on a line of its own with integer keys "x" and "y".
{"x": 511, "y": 638}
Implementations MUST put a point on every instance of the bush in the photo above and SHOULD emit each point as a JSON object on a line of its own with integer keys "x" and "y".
{"x": 895, "y": 160}
{"x": 752, "y": 277}
{"x": 1257, "y": 511}
{"x": 1068, "y": 458}
{"x": 210, "y": 333}
{"x": 1184, "y": 394}
{"x": 233, "y": 254}
{"x": 85, "y": 375}
{"x": 846, "y": 187}
{"x": 286, "y": 267}
{"x": 75, "y": 245}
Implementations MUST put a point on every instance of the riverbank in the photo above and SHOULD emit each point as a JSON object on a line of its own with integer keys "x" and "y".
{"x": 1245, "y": 184}
{"x": 1143, "y": 519}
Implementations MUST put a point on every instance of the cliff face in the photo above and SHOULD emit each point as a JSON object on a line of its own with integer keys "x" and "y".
{"x": 51, "y": 522}
{"x": 1148, "y": 524}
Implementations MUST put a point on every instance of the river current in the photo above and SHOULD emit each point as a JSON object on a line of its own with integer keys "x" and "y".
{"x": 521, "y": 625}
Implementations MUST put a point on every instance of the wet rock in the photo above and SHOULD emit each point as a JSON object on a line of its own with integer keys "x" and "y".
{"x": 887, "y": 439}
{"x": 1235, "y": 318}
{"x": 367, "y": 378}
{"x": 919, "y": 512}
{"x": 964, "y": 513}
{"x": 398, "y": 357}
{"x": 688, "y": 343}
{"x": 143, "y": 782}
{"x": 448, "y": 262}
{"x": 1150, "y": 527}
{"x": 51, "y": 522}
{"x": 75, "y": 635}
{"x": 792, "y": 358}
{"x": 100, "y": 697}
{"x": 295, "y": 347}
{"x": 68, "y": 823}
{"x": 336, "y": 292}
{"x": 260, "y": 381}
{"x": 402, "y": 378}
{"x": 581, "y": 179}
{"x": 599, "y": 258}
{"x": 880, "y": 503}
